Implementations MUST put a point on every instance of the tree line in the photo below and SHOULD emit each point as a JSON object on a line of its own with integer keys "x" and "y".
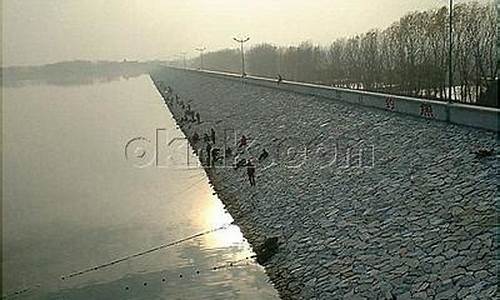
{"x": 410, "y": 57}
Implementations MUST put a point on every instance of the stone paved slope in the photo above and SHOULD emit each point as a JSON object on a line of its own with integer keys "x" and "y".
{"x": 418, "y": 223}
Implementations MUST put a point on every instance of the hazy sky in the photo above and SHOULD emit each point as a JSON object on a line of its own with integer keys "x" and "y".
{"x": 45, "y": 31}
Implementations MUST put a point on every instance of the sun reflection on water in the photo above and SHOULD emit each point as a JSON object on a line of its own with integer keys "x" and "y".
{"x": 213, "y": 215}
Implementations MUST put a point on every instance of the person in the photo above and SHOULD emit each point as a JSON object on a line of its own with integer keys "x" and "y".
{"x": 209, "y": 155}
{"x": 279, "y": 79}
{"x": 243, "y": 141}
{"x": 215, "y": 155}
{"x": 198, "y": 119}
{"x": 241, "y": 163}
{"x": 206, "y": 138}
{"x": 263, "y": 155}
{"x": 195, "y": 137}
{"x": 229, "y": 152}
{"x": 251, "y": 172}
{"x": 212, "y": 135}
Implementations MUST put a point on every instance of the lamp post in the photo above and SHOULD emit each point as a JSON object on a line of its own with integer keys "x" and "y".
{"x": 450, "y": 53}
{"x": 201, "y": 50}
{"x": 242, "y": 41}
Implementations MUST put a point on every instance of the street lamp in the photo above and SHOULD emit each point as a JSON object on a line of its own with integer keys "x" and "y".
{"x": 242, "y": 41}
{"x": 201, "y": 56}
{"x": 450, "y": 61}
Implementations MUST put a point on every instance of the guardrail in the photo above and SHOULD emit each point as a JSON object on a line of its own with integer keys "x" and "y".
{"x": 457, "y": 113}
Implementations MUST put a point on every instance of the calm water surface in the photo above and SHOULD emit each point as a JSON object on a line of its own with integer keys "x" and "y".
{"x": 75, "y": 197}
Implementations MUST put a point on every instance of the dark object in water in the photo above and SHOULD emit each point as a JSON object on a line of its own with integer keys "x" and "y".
{"x": 267, "y": 249}
{"x": 481, "y": 153}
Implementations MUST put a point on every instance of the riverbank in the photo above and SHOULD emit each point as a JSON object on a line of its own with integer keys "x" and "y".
{"x": 366, "y": 204}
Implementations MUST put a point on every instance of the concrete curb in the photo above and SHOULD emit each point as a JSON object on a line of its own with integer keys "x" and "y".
{"x": 462, "y": 114}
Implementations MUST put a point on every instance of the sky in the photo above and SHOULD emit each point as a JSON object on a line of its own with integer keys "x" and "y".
{"x": 37, "y": 32}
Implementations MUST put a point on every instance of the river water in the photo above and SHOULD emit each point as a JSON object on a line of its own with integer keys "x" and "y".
{"x": 98, "y": 187}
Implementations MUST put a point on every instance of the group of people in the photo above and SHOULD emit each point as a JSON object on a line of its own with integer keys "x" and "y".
{"x": 171, "y": 98}
{"x": 213, "y": 154}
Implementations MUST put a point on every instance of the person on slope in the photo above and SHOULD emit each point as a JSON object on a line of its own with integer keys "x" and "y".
{"x": 212, "y": 135}
{"x": 209, "y": 155}
{"x": 251, "y": 172}
{"x": 243, "y": 141}
{"x": 263, "y": 155}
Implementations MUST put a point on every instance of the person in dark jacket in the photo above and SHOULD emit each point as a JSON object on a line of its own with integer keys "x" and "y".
{"x": 195, "y": 138}
{"x": 251, "y": 172}
{"x": 279, "y": 79}
{"x": 209, "y": 155}
{"x": 241, "y": 163}
{"x": 228, "y": 152}
{"x": 243, "y": 141}
{"x": 263, "y": 155}
{"x": 212, "y": 135}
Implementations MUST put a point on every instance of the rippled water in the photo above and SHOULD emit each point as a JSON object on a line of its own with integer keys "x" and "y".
{"x": 75, "y": 198}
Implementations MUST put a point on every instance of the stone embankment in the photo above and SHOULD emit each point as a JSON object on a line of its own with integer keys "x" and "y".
{"x": 367, "y": 204}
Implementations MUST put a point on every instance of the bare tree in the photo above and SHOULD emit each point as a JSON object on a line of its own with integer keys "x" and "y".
{"x": 410, "y": 57}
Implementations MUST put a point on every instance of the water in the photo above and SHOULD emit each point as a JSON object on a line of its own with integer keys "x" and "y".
{"x": 75, "y": 197}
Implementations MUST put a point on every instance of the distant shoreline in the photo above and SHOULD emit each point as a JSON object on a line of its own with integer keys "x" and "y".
{"x": 73, "y": 72}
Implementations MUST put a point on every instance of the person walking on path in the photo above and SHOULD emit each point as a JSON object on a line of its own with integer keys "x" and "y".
{"x": 251, "y": 172}
{"x": 198, "y": 117}
{"x": 279, "y": 79}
